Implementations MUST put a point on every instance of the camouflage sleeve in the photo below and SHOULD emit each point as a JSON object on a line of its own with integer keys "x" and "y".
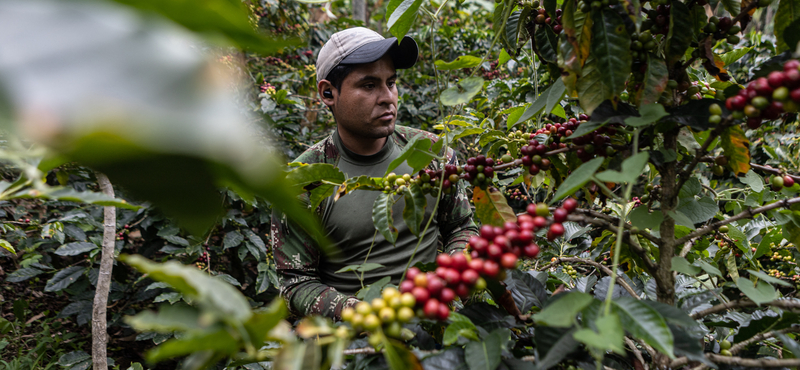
{"x": 296, "y": 260}
{"x": 456, "y": 218}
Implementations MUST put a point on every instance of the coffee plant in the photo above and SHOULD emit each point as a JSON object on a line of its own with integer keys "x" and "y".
{"x": 633, "y": 166}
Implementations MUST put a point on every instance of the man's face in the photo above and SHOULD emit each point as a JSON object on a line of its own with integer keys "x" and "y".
{"x": 366, "y": 105}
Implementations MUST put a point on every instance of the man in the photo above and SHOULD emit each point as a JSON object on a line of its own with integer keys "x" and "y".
{"x": 357, "y": 81}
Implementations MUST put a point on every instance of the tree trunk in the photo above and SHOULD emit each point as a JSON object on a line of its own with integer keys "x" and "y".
{"x": 99, "y": 332}
{"x": 360, "y": 11}
{"x": 665, "y": 281}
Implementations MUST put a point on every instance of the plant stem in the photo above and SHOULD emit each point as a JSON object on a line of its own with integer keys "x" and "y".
{"x": 99, "y": 331}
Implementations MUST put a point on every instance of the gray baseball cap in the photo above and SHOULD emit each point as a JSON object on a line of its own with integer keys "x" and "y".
{"x": 359, "y": 45}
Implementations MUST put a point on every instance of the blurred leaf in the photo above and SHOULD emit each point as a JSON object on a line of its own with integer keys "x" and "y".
{"x": 604, "y": 77}
{"x": 698, "y": 211}
{"x": 787, "y": 14}
{"x": 790, "y": 344}
{"x": 680, "y": 264}
{"x": 382, "y": 216}
{"x": 74, "y": 249}
{"x": 418, "y": 144}
{"x": 72, "y": 358}
{"x": 650, "y": 113}
{"x": 641, "y": 218}
{"x": 459, "y": 324}
{"x": 546, "y": 43}
{"x": 562, "y": 312}
{"x": 644, "y": 322}
{"x": 553, "y": 345}
{"x": 464, "y": 61}
{"x": 609, "y": 336}
{"x": 263, "y": 320}
{"x": 400, "y": 15}
{"x": 632, "y": 168}
{"x": 23, "y": 274}
{"x": 759, "y": 293}
{"x": 219, "y": 341}
{"x": 681, "y": 219}
{"x": 214, "y": 17}
{"x": 70, "y": 195}
{"x": 553, "y": 93}
{"x": 232, "y": 239}
{"x": 655, "y": 81}
{"x": 463, "y": 91}
{"x": 414, "y": 211}
{"x": 215, "y": 296}
{"x": 172, "y": 136}
{"x": 7, "y": 246}
{"x": 485, "y": 355}
{"x": 753, "y": 180}
{"x": 732, "y": 6}
{"x": 578, "y": 178}
{"x": 737, "y": 149}
{"x": 491, "y": 207}
{"x": 768, "y": 278}
{"x": 307, "y": 174}
{"x": 398, "y": 356}
{"x": 707, "y": 267}
{"x": 734, "y": 55}
{"x": 169, "y": 319}
{"x": 64, "y": 278}
{"x": 680, "y": 33}
{"x": 515, "y": 25}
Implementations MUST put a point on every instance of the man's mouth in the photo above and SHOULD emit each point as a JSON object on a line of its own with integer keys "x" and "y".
{"x": 386, "y": 116}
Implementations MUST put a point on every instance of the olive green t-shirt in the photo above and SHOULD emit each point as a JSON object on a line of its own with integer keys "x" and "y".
{"x": 349, "y": 222}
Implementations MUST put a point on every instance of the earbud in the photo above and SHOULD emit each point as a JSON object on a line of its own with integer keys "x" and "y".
{"x": 327, "y": 94}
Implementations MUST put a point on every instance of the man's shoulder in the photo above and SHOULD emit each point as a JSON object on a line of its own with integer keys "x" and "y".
{"x": 323, "y": 151}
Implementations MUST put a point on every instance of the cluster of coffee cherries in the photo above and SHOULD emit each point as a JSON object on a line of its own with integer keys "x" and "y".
{"x": 202, "y": 261}
{"x": 455, "y": 276}
{"x": 778, "y": 182}
{"x": 544, "y": 18}
{"x": 723, "y": 28}
{"x": 657, "y": 20}
{"x": 532, "y": 157}
{"x": 595, "y": 143}
{"x": 493, "y": 71}
{"x": 569, "y": 270}
{"x": 479, "y": 170}
{"x": 641, "y": 43}
{"x": 516, "y": 194}
{"x": 768, "y": 97}
{"x": 559, "y": 216}
{"x": 388, "y": 312}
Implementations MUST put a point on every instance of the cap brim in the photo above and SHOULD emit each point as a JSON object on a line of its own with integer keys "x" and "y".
{"x": 404, "y": 55}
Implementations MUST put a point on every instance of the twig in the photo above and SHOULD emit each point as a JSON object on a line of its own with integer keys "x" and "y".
{"x": 743, "y": 344}
{"x": 744, "y": 12}
{"x": 99, "y": 325}
{"x": 688, "y": 246}
{"x": 750, "y": 362}
{"x": 600, "y": 267}
{"x": 749, "y": 213}
{"x": 685, "y": 174}
{"x": 636, "y": 353}
{"x": 781, "y": 303}
{"x": 772, "y": 170}
{"x": 634, "y": 244}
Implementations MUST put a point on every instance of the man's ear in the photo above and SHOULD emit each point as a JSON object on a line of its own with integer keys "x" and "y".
{"x": 327, "y": 92}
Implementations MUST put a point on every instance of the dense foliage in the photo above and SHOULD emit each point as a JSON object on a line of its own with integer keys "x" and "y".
{"x": 634, "y": 167}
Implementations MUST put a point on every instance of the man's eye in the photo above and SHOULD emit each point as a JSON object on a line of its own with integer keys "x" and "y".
{"x": 369, "y": 86}
{"x": 392, "y": 83}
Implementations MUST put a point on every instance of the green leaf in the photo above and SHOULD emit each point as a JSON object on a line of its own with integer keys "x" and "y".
{"x": 215, "y": 17}
{"x": 609, "y": 337}
{"x": 23, "y": 274}
{"x": 212, "y": 295}
{"x": 373, "y": 290}
{"x": 643, "y": 219}
{"x": 788, "y": 13}
{"x": 491, "y": 207}
{"x": 768, "y": 278}
{"x": 514, "y": 26}
{"x": 464, "y": 61}
{"x": 264, "y": 320}
{"x": 366, "y": 267}
{"x": 734, "y": 55}
{"x": 398, "y": 356}
{"x": 459, "y": 324}
{"x": 681, "y": 219}
{"x": 759, "y": 293}
{"x": 463, "y": 92}
{"x": 232, "y": 239}
{"x": 64, "y": 278}
{"x": 417, "y": 144}
{"x": 650, "y": 113}
{"x": 790, "y": 344}
{"x": 73, "y": 358}
{"x": 737, "y": 148}
{"x": 612, "y": 59}
{"x": 220, "y": 341}
{"x": 732, "y": 6}
{"x": 680, "y": 264}
{"x": 400, "y": 15}
{"x": 632, "y": 168}
{"x": 698, "y": 211}
{"x": 504, "y": 57}
{"x": 255, "y": 239}
{"x": 578, "y": 178}
{"x": 753, "y": 180}
{"x": 70, "y": 195}
{"x": 644, "y": 322}
{"x": 382, "y": 217}
{"x": 497, "y": 20}
{"x": 553, "y": 93}
{"x": 680, "y": 33}
{"x": 74, "y": 249}
{"x": 486, "y": 355}
{"x": 414, "y": 211}
{"x": 588, "y": 127}
{"x": 547, "y": 43}
{"x": 7, "y": 246}
{"x": 562, "y": 312}
{"x": 556, "y": 343}
{"x": 707, "y": 267}
{"x": 307, "y": 174}
{"x": 169, "y": 319}
{"x": 655, "y": 81}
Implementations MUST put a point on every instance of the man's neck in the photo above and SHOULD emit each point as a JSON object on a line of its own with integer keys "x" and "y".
{"x": 361, "y": 146}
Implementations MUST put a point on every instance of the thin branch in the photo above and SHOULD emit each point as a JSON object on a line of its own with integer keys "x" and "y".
{"x": 780, "y": 303}
{"x": 99, "y": 325}
{"x": 598, "y": 266}
{"x": 772, "y": 170}
{"x": 744, "y": 12}
{"x": 749, "y": 213}
{"x": 686, "y": 173}
{"x": 743, "y": 344}
{"x": 633, "y": 243}
{"x": 636, "y": 353}
{"x": 750, "y": 362}
{"x": 613, "y": 221}
{"x": 688, "y": 246}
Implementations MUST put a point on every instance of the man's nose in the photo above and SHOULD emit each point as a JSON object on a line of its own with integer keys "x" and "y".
{"x": 387, "y": 95}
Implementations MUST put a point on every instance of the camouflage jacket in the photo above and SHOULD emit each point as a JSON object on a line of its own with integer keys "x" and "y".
{"x": 297, "y": 256}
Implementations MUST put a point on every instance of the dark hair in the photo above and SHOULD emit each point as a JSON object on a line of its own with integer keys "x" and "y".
{"x": 337, "y": 75}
